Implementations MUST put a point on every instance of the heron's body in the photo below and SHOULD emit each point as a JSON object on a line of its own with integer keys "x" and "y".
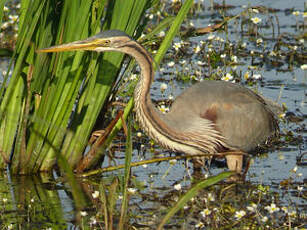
{"x": 236, "y": 112}
{"x": 208, "y": 117}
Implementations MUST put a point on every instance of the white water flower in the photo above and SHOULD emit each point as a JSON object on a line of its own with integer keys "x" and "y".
{"x": 252, "y": 207}
{"x": 164, "y": 109}
{"x": 304, "y": 67}
{"x": 240, "y": 214}
{"x": 95, "y": 194}
{"x": 171, "y": 64}
{"x": 200, "y": 63}
{"x": 227, "y": 77}
{"x": 83, "y": 213}
{"x": 296, "y": 13}
{"x": 5, "y": 25}
{"x": 132, "y": 77}
{"x": 175, "y": 1}
{"x": 259, "y": 40}
{"x": 211, "y": 36}
{"x": 219, "y": 39}
{"x": 211, "y": 197}
{"x": 13, "y": 18}
{"x": 272, "y": 208}
{"x": 161, "y": 34}
{"x": 163, "y": 87}
{"x": 177, "y": 45}
{"x": 196, "y": 49}
{"x": 206, "y": 212}
{"x": 256, "y": 20}
{"x": 292, "y": 214}
{"x": 182, "y": 61}
{"x": 285, "y": 209}
{"x": 234, "y": 59}
{"x": 93, "y": 220}
{"x": 199, "y": 225}
{"x": 131, "y": 190}
{"x": 177, "y": 187}
{"x": 255, "y": 10}
{"x": 256, "y": 76}
{"x": 246, "y": 75}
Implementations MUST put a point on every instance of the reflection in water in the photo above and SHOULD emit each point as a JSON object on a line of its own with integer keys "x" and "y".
{"x": 32, "y": 202}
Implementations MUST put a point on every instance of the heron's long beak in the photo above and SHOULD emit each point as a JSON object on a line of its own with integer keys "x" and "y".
{"x": 77, "y": 45}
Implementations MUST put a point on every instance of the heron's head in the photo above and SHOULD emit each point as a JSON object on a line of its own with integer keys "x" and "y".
{"x": 109, "y": 40}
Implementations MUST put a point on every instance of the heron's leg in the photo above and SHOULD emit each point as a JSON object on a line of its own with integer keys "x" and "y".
{"x": 198, "y": 164}
{"x": 235, "y": 162}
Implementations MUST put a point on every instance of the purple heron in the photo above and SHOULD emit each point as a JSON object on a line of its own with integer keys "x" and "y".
{"x": 209, "y": 117}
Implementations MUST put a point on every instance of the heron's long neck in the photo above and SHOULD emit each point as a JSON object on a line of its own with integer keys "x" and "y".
{"x": 148, "y": 116}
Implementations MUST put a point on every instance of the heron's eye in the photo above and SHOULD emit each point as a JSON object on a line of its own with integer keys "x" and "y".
{"x": 105, "y": 43}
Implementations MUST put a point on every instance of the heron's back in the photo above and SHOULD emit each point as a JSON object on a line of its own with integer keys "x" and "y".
{"x": 240, "y": 115}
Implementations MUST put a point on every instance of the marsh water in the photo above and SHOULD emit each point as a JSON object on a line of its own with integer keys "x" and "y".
{"x": 46, "y": 201}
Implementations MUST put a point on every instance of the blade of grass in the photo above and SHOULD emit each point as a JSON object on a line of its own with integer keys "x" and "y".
{"x": 173, "y": 30}
{"x": 157, "y": 160}
{"x": 166, "y": 22}
{"x": 192, "y": 193}
{"x": 2, "y": 2}
{"x": 112, "y": 199}
{"x": 104, "y": 206}
{"x": 128, "y": 157}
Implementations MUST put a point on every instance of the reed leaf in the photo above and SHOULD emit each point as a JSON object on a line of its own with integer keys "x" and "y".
{"x": 2, "y": 2}
{"x": 173, "y": 30}
{"x": 128, "y": 158}
{"x": 192, "y": 193}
